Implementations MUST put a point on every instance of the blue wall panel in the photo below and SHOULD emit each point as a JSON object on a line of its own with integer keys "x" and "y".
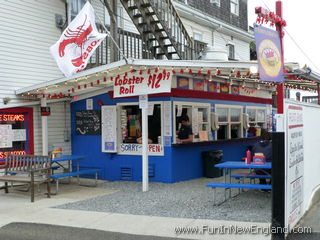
{"x": 179, "y": 163}
{"x": 187, "y": 160}
{"x": 111, "y": 163}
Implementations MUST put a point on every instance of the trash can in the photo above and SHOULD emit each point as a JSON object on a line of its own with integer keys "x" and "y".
{"x": 210, "y": 158}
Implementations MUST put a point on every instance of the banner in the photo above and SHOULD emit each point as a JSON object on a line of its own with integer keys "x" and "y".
{"x": 77, "y": 43}
{"x": 268, "y": 49}
{"x": 135, "y": 83}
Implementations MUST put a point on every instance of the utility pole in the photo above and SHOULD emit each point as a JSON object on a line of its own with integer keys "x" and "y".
{"x": 278, "y": 138}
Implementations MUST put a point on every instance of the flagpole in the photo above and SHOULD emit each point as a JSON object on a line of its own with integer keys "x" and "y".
{"x": 115, "y": 43}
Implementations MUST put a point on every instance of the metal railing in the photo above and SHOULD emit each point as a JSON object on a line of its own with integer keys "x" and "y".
{"x": 132, "y": 46}
{"x": 310, "y": 99}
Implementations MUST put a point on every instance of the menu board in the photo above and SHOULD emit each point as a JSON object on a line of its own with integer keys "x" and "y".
{"x": 19, "y": 135}
{"x": 6, "y": 136}
{"x": 109, "y": 128}
{"x": 88, "y": 122}
{"x": 195, "y": 122}
{"x": 294, "y": 165}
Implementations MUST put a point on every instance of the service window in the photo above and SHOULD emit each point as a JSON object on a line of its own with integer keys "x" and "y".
{"x": 198, "y": 114}
{"x": 230, "y": 121}
{"x": 130, "y": 128}
{"x": 257, "y": 120}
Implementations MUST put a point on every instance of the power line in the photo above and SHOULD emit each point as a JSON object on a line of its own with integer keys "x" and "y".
{"x": 266, "y": 5}
{"x": 303, "y": 52}
{"x": 295, "y": 42}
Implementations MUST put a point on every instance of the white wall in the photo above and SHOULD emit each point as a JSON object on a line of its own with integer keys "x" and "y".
{"x": 242, "y": 49}
{"x": 311, "y": 116}
{"x": 27, "y": 31}
{"x": 311, "y": 158}
{"x": 58, "y": 122}
{"x": 193, "y": 27}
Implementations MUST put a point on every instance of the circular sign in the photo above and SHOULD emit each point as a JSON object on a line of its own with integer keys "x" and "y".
{"x": 269, "y": 56}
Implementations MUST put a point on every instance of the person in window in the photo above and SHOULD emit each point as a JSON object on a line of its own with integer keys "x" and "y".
{"x": 154, "y": 127}
{"x": 185, "y": 131}
{"x": 139, "y": 140}
{"x": 264, "y": 146}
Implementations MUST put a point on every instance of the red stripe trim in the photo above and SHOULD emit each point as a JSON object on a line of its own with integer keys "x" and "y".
{"x": 295, "y": 107}
{"x": 186, "y": 93}
{"x": 295, "y": 126}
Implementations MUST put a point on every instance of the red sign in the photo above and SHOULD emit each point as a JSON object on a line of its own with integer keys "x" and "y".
{"x": 45, "y": 111}
{"x": 15, "y": 152}
{"x": 11, "y": 118}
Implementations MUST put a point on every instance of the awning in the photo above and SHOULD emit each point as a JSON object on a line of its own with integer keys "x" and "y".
{"x": 102, "y": 77}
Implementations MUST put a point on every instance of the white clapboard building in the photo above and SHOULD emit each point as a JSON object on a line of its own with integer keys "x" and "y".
{"x": 190, "y": 30}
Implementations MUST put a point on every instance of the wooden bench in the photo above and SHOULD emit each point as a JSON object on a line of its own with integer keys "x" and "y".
{"x": 58, "y": 176}
{"x": 235, "y": 185}
{"x": 31, "y": 169}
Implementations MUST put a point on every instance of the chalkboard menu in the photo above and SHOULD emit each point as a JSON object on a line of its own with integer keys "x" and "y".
{"x": 88, "y": 122}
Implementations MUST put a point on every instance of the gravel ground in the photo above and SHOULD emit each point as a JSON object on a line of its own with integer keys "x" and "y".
{"x": 188, "y": 199}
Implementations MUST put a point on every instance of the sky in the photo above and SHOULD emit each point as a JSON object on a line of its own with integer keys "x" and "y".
{"x": 302, "y": 17}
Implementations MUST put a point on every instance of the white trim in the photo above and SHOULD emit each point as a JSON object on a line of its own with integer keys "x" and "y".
{"x": 192, "y": 105}
{"x": 33, "y": 103}
{"x": 258, "y": 108}
{"x": 112, "y": 70}
{"x": 228, "y": 123}
{"x": 119, "y": 137}
{"x": 236, "y": 3}
{"x": 93, "y": 94}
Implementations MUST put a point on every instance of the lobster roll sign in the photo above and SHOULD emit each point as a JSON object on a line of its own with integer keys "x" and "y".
{"x": 77, "y": 43}
{"x": 136, "y": 83}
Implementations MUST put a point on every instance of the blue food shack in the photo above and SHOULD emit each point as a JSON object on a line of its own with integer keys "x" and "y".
{"x": 226, "y": 103}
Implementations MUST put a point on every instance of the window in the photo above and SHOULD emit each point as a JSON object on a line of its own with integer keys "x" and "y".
{"x": 120, "y": 17}
{"x": 197, "y": 36}
{"x": 231, "y": 51}
{"x": 257, "y": 120}
{"x": 216, "y": 2}
{"x": 230, "y": 121}
{"x": 199, "y": 119}
{"x": 234, "y": 7}
{"x": 131, "y": 128}
{"x": 76, "y": 6}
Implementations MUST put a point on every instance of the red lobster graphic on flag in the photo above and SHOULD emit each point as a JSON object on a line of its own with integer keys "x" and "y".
{"x": 78, "y": 37}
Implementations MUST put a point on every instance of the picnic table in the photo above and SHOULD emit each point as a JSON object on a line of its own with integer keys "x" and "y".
{"x": 227, "y": 171}
{"x": 68, "y": 171}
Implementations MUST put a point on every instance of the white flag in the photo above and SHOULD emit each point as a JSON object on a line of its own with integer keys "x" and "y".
{"x": 78, "y": 42}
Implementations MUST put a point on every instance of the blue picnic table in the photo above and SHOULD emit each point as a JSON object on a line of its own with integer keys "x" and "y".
{"x": 68, "y": 173}
{"x": 229, "y": 166}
